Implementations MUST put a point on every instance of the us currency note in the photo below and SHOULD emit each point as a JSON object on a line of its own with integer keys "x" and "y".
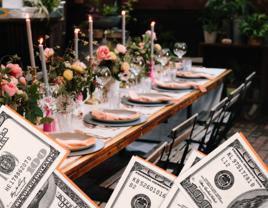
{"x": 231, "y": 176}
{"x": 194, "y": 158}
{"x": 175, "y": 199}
{"x": 27, "y": 159}
{"x": 141, "y": 185}
{"x": 60, "y": 192}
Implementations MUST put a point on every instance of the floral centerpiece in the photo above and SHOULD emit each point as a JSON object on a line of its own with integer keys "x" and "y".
{"x": 15, "y": 92}
{"x": 117, "y": 60}
{"x": 72, "y": 76}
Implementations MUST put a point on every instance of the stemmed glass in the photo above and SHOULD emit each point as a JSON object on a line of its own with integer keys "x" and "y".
{"x": 103, "y": 76}
{"x": 163, "y": 57}
{"x": 136, "y": 66}
{"x": 180, "y": 49}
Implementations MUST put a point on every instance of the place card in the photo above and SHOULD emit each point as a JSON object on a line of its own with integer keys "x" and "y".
{"x": 60, "y": 191}
{"x": 175, "y": 199}
{"x": 27, "y": 158}
{"x": 231, "y": 176}
{"x": 141, "y": 185}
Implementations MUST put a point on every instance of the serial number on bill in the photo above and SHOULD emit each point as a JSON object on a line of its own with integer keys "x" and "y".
{"x": 137, "y": 182}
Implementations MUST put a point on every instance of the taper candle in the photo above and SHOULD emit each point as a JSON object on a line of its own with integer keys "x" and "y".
{"x": 123, "y": 27}
{"x": 152, "y": 41}
{"x": 30, "y": 41}
{"x": 90, "y": 21}
{"x": 76, "y": 31}
{"x": 44, "y": 68}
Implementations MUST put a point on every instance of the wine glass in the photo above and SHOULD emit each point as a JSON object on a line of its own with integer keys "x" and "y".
{"x": 163, "y": 57}
{"x": 137, "y": 64}
{"x": 180, "y": 49}
{"x": 102, "y": 74}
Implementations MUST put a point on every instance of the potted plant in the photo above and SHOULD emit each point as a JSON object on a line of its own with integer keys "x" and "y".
{"x": 211, "y": 20}
{"x": 240, "y": 9}
{"x": 256, "y": 28}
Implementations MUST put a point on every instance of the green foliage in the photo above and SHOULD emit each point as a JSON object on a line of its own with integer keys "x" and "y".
{"x": 127, "y": 6}
{"x": 255, "y": 26}
{"x": 109, "y": 10}
{"x": 46, "y": 120}
{"x": 240, "y": 7}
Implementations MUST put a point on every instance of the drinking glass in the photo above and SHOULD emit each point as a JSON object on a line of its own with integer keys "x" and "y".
{"x": 187, "y": 64}
{"x": 172, "y": 73}
{"x": 114, "y": 98}
{"x": 180, "y": 49}
{"x": 137, "y": 64}
{"x": 163, "y": 57}
{"x": 146, "y": 84}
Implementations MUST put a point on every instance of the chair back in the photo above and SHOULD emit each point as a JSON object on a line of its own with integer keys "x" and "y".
{"x": 250, "y": 77}
{"x": 157, "y": 154}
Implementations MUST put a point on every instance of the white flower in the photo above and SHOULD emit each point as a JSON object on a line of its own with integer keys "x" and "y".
{"x": 67, "y": 64}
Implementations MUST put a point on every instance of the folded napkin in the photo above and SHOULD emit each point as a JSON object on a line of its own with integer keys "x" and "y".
{"x": 112, "y": 117}
{"x": 67, "y": 144}
{"x": 199, "y": 74}
{"x": 180, "y": 85}
{"x": 134, "y": 96}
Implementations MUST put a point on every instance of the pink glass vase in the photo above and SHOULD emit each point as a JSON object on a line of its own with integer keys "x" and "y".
{"x": 49, "y": 127}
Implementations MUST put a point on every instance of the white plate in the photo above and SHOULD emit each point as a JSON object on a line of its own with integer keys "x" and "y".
{"x": 153, "y": 95}
{"x": 72, "y": 137}
{"x": 174, "y": 88}
{"x": 120, "y": 113}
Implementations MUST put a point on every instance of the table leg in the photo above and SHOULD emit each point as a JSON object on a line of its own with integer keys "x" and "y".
{"x": 189, "y": 111}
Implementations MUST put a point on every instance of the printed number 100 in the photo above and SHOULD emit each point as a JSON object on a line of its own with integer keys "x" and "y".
{"x": 34, "y": 164}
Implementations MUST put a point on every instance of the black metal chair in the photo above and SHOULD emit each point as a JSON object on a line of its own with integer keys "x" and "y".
{"x": 179, "y": 147}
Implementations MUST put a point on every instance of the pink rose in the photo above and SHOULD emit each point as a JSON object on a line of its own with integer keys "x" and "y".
{"x": 149, "y": 32}
{"x": 102, "y": 52}
{"x": 22, "y": 81}
{"x": 2, "y": 66}
{"x": 121, "y": 48}
{"x": 141, "y": 45}
{"x": 13, "y": 80}
{"x": 15, "y": 69}
{"x": 10, "y": 88}
{"x": 48, "y": 52}
{"x": 81, "y": 64}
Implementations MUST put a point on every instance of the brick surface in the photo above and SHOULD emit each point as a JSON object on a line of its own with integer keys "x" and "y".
{"x": 262, "y": 154}
{"x": 260, "y": 142}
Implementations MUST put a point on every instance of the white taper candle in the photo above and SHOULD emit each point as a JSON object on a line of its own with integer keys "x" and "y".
{"x": 44, "y": 68}
{"x": 76, "y": 31}
{"x": 30, "y": 41}
{"x": 90, "y": 21}
{"x": 123, "y": 27}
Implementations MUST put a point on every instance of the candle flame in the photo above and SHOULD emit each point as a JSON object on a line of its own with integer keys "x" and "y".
{"x": 123, "y": 12}
{"x": 41, "y": 41}
{"x": 90, "y": 18}
{"x": 153, "y": 23}
{"x": 27, "y": 15}
{"x": 76, "y": 30}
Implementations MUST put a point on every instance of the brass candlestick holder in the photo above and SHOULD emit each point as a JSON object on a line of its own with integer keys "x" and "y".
{"x": 32, "y": 72}
{"x": 92, "y": 100}
{"x": 124, "y": 84}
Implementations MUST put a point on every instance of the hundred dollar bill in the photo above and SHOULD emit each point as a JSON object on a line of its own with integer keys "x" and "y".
{"x": 27, "y": 159}
{"x": 175, "y": 199}
{"x": 231, "y": 176}
{"x": 141, "y": 185}
{"x": 59, "y": 191}
{"x": 194, "y": 158}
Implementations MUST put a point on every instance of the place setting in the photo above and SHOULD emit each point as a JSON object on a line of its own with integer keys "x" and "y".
{"x": 177, "y": 86}
{"x": 115, "y": 118}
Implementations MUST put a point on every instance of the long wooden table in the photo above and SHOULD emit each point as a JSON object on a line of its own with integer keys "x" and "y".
{"x": 85, "y": 163}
